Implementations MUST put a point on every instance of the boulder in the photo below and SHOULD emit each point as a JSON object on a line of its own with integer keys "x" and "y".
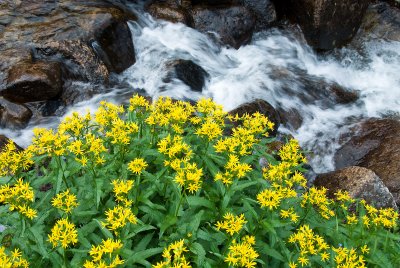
{"x": 361, "y": 183}
{"x": 87, "y": 39}
{"x": 33, "y": 82}
{"x": 264, "y": 11}
{"x": 374, "y": 144}
{"x": 326, "y": 24}
{"x": 13, "y": 115}
{"x": 188, "y": 72}
{"x": 380, "y": 22}
{"x": 232, "y": 25}
{"x": 262, "y": 107}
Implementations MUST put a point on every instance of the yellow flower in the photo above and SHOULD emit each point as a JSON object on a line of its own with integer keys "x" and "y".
{"x": 118, "y": 217}
{"x": 105, "y": 254}
{"x": 63, "y": 233}
{"x": 242, "y": 254}
{"x": 364, "y": 249}
{"x": 232, "y": 224}
{"x": 13, "y": 259}
{"x": 65, "y": 201}
{"x": 137, "y": 165}
{"x": 270, "y": 198}
{"x": 174, "y": 256}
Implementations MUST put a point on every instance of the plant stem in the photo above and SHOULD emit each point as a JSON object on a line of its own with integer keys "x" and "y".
{"x": 179, "y": 205}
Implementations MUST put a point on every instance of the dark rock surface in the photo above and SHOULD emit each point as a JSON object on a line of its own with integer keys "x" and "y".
{"x": 188, "y": 72}
{"x": 374, "y": 144}
{"x": 326, "y": 24}
{"x": 232, "y": 25}
{"x": 360, "y": 183}
{"x": 264, "y": 11}
{"x": 170, "y": 12}
{"x": 44, "y": 43}
{"x": 13, "y": 115}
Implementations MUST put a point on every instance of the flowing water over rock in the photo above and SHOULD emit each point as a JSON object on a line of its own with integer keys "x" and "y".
{"x": 319, "y": 96}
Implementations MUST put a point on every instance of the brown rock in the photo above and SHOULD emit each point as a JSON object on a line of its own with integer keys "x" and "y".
{"x": 233, "y": 25}
{"x": 13, "y": 115}
{"x": 374, "y": 144}
{"x": 170, "y": 12}
{"x": 326, "y": 24}
{"x": 361, "y": 183}
{"x": 33, "y": 82}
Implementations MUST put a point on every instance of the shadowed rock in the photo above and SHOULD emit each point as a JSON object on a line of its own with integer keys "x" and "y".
{"x": 13, "y": 115}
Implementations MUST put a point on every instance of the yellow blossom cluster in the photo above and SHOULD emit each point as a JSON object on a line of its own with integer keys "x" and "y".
{"x": 176, "y": 149}
{"x": 348, "y": 258}
{"x": 384, "y": 217}
{"x": 13, "y": 259}
{"x": 289, "y": 213}
{"x": 309, "y": 244}
{"x": 121, "y": 130}
{"x": 63, "y": 233}
{"x": 232, "y": 224}
{"x": 137, "y": 165}
{"x": 65, "y": 201}
{"x": 121, "y": 189}
{"x": 343, "y": 198}
{"x": 138, "y": 104}
{"x": 169, "y": 113}
{"x": 210, "y": 130}
{"x": 318, "y": 198}
{"x": 75, "y": 125}
{"x": 118, "y": 217}
{"x": 18, "y": 197}
{"x": 244, "y": 137}
{"x": 242, "y": 254}
{"x": 47, "y": 141}
{"x": 174, "y": 256}
{"x": 189, "y": 177}
{"x": 13, "y": 160}
{"x": 107, "y": 113}
{"x": 105, "y": 255}
{"x": 234, "y": 169}
{"x": 207, "y": 109}
{"x": 272, "y": 197}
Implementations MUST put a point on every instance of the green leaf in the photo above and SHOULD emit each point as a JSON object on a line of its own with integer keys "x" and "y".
{"x": 104, "y": 230}
{"x": 99, "y": 185}
{"x": 141, "y": 256}
{"x": 200, "y": 253}
{"x": 211, "y": 166}
{"x": 166, "y": 223}
{"x": 195, "y": 201}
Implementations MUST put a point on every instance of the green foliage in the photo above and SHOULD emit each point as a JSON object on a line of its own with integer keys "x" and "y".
{"x": 164, "y": 185}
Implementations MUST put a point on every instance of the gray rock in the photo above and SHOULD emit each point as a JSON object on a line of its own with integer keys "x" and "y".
{"x": 361, "y": 183}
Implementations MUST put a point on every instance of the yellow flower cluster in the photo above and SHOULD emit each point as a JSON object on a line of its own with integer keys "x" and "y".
{"x": 244, "y": 137}
{"x": 385, "y": 217}
{"x": 290, "y": 153}
{"x": 63, "y": 233}
{"x": 107, "y": 113}
{"x": 121, "y": 189}
{"x": 348, "y": 258}
{"x": 176, "y": 149}
{"x": 273, "y": 197}
{"x": 233, "y": 169}
{"x": 18, "y": 197}
{"x": 318, "y": 198}
{"x": 189, "y": 177}
{"x": 121, "y": 131}
{"x": 207, "y": 109}
{"x": 12, "y": 160}
{"x": 289, "y": 213}
{"x": 46, "y": 141}
{"x": 105, "y": 255}
{"x": 242, "y": 254}
{"x": 75, "y": 125}
{"x": 65, "y": 201}
{"x": 310, "y": 244}
{"x": 168, "y": 113}
{"x": 137, "y": 165}
{"x": 138, "y": 104}
{"x": 232, "y": 224}
{"x": 118, "y": 217}
{"x": 209, "y": 129}
{"x": 13, "y": 259}
{"x": 343, "y": 198}
{"x": 174, "y": 256}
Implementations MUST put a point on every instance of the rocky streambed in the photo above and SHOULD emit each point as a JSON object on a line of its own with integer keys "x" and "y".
{"x": 326, "y": 72}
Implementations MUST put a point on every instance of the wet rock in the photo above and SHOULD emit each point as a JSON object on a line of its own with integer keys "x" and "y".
{"x": 381, "y": 22}
{"x": 215, "y": 2}
{"x": 326, "y": 24}
{"x": 33, "y": 82}
{"x": 360, "y": 182}
{"x": 13, "y": 115}
{"x": 232, "y": 25}
{"x": 290, "y": 118}
{"x": 264, "y": 11}
{"x": 262, "y": 107}
{"x": 374, "y": 144}
{"x": 89, "y": 39}
{"x": 170, "y": 12}
{"x": 188, "y": 72}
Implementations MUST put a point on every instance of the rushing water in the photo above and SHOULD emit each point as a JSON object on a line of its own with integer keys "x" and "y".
{"x": 239, "y": 76}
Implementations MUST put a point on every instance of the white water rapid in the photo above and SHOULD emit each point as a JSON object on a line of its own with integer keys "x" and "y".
{"x": 271, "y": 67}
